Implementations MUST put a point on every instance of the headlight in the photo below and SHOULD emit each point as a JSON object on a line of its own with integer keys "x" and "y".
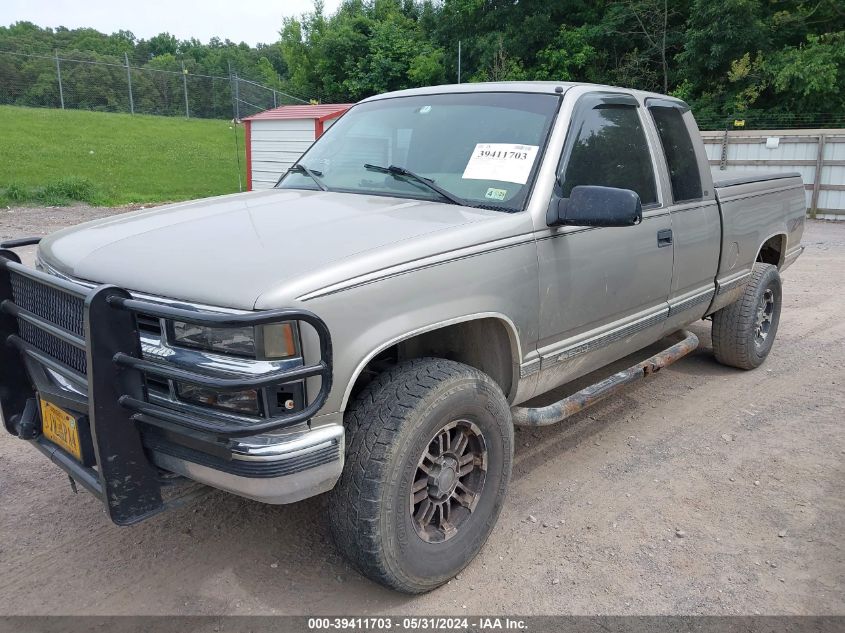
{"x": 274, "y": 341}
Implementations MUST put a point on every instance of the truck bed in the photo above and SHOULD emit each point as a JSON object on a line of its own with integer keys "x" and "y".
{"x": 731, "y": 177}
{"x": 755, "y": 208}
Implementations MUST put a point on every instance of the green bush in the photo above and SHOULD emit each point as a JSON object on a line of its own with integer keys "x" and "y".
{"x": 58, "y": 193}
{"x": 49, "y": 199}
{"x": 71, "y": 188}
{"x": 16, "y": 192}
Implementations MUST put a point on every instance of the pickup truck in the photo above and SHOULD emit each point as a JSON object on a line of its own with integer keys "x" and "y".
{"x": 376, "y": 325}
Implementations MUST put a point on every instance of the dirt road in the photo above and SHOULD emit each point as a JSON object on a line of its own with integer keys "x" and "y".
{"x": 703, "y": 490}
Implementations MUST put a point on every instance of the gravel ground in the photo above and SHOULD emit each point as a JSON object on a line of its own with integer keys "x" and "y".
{"x": 703, "y": 490}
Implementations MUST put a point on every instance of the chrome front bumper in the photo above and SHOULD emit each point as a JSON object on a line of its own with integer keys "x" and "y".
{"x": 277, "y": 469}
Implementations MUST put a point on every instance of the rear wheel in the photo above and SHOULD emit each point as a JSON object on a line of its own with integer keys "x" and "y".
{"x": 429, "y": 450}
{"x": 744, "y": 331}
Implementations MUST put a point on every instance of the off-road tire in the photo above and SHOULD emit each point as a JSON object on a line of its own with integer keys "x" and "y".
{"x": 388, "y": 427}
{"x": 736, "y": 337}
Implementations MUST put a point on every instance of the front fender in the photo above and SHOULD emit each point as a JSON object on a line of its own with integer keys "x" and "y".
{"x": 365, "y": 319}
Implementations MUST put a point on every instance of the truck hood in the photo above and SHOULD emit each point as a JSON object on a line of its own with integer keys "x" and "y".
{"x": 228, "y": 251}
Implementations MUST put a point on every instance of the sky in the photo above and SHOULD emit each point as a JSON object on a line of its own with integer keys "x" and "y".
{"x": 250, "y": 21}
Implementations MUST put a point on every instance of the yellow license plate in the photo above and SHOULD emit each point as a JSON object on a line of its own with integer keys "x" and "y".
{"x": 60, "y": 428}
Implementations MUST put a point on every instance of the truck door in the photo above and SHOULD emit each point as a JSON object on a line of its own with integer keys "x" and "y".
{"x": 696, "y": 225}
{"x": 603, "y": 291}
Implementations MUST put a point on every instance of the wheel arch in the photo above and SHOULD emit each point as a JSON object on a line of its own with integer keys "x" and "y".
{"x": 773, "y": 250}
{"x": 439, "y": 340}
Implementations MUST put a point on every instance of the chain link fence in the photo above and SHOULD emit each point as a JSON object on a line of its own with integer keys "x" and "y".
{"x": 53, "y": 81}
{"x": 56, "y": 82}
{"x": 768, "y": 120}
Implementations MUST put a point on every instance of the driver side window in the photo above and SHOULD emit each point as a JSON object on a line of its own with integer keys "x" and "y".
{"x": 610, "y": 149}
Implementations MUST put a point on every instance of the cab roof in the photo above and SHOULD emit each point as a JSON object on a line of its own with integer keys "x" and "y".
{"x": 539, "y": 87}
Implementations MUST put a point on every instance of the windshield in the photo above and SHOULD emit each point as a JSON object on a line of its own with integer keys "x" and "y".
{"x": 480, "y": 149}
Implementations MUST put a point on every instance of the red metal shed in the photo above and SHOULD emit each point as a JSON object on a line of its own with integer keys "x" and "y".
{"x": 275, "y": 139}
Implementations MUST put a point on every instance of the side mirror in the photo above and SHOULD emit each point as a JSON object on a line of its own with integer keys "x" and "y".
{"x": 590, "y": 205}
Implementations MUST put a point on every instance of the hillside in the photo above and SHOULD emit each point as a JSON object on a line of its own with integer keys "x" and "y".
{"x": 55, "y": 156}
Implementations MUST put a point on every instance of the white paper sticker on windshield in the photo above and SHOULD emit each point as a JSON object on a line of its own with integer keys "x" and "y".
{"x": 501, "y": 161}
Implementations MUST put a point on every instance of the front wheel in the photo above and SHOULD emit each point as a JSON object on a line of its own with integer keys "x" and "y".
{"x": 744, "y": 331}
{"x": 429, "y": 451}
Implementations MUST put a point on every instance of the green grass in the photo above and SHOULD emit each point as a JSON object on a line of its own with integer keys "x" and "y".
{"x": 55, "y": 157}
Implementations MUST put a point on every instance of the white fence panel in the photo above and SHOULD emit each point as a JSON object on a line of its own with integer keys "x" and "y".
{"x": 818, "y": 155}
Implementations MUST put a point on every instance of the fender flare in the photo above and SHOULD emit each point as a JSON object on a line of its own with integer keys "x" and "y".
{"x": 510, "y": 327}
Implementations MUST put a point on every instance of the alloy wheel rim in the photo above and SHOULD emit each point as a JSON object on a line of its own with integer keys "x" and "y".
{"x": 764, "y": 317}
{"x": 448, "y": 481}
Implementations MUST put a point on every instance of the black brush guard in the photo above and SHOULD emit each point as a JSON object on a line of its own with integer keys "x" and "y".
{"x": 121, "y": 475}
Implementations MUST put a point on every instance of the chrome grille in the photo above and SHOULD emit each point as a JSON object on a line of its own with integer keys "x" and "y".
{"x": 59, "y": 308}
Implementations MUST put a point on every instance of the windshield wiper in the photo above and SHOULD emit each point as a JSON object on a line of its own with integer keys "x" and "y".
{"x": 313, "y": 174}
{"x": 398, "y": 172}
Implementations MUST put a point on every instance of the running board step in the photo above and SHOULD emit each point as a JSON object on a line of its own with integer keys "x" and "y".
{"x": 580, "y": 400}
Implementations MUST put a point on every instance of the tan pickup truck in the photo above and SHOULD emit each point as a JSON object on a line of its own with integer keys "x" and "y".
{"x": 375, "y": 325}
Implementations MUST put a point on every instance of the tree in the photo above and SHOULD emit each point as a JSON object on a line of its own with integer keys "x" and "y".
{"x": 724, "y": 57}
{"x": 806, "y": 79}
{"x": 652, "y": 29}
{"x": 570, "y": 57}
{"x": 718, "y": 33}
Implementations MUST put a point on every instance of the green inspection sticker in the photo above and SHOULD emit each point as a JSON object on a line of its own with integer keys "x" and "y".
{"x": 496, "y": 194}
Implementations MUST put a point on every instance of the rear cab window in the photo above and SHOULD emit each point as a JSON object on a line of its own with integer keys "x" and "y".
{"x": 678, "y": 148}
